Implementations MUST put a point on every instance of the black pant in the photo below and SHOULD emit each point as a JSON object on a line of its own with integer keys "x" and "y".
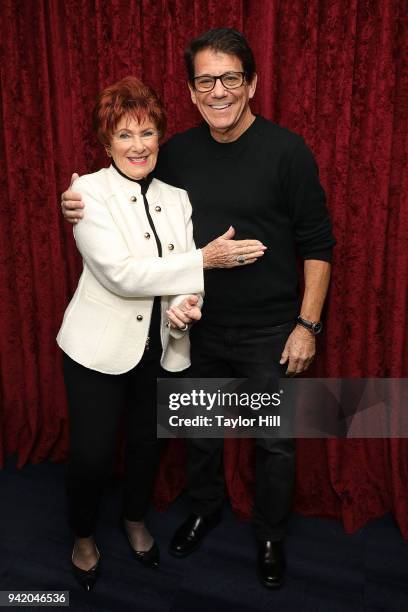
{"x": 96, "y": 403}
{"x": 254, "y": 353}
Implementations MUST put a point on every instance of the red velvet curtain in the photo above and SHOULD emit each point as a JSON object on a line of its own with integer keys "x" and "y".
{"x": 332, "y": 70}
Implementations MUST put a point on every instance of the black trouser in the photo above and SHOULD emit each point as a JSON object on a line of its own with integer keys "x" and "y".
{"x": 254, "y": 353}
{"x": 96, "y": 403}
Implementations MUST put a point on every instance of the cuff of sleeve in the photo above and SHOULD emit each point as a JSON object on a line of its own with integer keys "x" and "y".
{"x": 179, "y": 333}
{"x": 326, "y": 255}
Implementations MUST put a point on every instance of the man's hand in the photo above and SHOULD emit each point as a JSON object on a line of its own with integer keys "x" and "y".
{"x": 184, "y": 313}
{"x": 71, "y": 203}
{"x": 299, "y": 351}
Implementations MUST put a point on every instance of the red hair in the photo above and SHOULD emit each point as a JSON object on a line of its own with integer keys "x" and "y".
{"x": 129, "y": 96}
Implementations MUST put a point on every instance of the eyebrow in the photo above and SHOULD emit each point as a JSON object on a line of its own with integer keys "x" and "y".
{"x": 131, "y": 131}
{"x": 216, "y": 75}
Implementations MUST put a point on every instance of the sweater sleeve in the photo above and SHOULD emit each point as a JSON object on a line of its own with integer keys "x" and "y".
{"x": 307, "y": 205}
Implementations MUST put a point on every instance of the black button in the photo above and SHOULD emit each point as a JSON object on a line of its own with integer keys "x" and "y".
{"x": 157, "y": 208}
{"x": 147, "y": 235}
{"x": 171, "y": 246}
{"x": 133, "y": 199}
{"x": 139, "y": 318}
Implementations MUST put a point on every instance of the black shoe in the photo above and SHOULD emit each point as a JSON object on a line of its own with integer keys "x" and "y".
{"x": 86, "y": 578}
{"x": 148, "y": 558}
{"x": 191, "y": 533}
{"x": 271, "y": 564}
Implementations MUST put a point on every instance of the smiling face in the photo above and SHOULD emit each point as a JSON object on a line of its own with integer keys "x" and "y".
{"x": 226, "y": 111}
{"x": 134, "y": 147}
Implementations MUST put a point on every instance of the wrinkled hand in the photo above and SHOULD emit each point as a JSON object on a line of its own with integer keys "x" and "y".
{"x": 71, "y": 203}
{"x": 223, "y": 251}
{"x": 185, "y": 313}
{"x": 299, "y": 351}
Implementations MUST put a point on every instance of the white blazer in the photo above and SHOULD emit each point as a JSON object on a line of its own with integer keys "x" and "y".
{"x": 106, "y": 323}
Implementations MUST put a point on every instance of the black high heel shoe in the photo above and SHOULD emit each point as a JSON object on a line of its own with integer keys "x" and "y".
{"x": 86, "y": 578}
{"x": 148, "y": 558}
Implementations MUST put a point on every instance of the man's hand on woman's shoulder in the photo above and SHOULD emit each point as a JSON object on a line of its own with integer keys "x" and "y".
{"x": 71, "y": 203}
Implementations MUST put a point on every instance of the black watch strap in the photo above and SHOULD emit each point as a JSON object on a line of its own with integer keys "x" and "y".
{"x": 314, "y": 327}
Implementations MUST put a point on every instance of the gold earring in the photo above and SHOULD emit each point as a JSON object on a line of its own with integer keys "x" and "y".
{"x": 108, "y": 153}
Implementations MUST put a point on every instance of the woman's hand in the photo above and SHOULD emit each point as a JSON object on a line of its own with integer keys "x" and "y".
{"x": 223, "y": 252}
{"x": 185, "y": 313}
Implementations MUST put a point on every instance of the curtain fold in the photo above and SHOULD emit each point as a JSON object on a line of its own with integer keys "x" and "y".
{"x": 334, "y": 72}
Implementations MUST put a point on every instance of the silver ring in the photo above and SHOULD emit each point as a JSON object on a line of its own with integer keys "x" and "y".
{"x": 184, "y": 328}
{"x": 241, "y": 259}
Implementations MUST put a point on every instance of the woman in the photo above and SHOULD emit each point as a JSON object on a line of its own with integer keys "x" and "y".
{"x": 136, "y": 243}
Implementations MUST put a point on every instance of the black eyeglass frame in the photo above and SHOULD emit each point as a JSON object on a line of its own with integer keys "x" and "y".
{"x": 220, "y": 77}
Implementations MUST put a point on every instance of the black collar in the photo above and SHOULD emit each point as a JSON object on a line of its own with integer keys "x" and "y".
{"x": 144, "y": 182}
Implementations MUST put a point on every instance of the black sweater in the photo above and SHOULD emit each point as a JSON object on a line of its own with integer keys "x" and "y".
{"x": 266, "y": 185}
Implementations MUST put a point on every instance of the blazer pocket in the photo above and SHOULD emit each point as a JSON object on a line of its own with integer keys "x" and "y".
{"x": 120, "y": 345}
{"x": 96, "y": 300}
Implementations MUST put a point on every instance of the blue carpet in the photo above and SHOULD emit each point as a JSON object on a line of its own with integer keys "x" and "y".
{"x": 328, "y": 571}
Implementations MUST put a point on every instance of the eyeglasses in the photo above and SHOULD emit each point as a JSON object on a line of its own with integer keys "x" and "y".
{"x": 229, "y": 80}
{"x": 127, "y": 135}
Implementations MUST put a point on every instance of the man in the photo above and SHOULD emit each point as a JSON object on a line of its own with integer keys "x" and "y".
{"x": 247, "y": 172}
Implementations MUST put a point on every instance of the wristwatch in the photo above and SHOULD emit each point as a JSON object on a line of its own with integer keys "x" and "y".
{"x": 314, "y": 327}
